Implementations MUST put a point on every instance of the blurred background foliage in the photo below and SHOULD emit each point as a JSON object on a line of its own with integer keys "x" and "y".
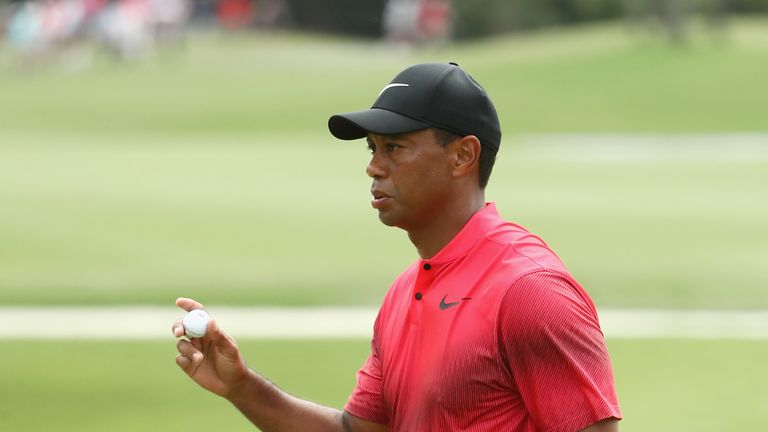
{"x": 479, "y": 18}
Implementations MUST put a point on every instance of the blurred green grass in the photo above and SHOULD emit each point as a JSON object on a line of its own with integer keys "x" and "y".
{"x": 287, "y": 221}
{"x": 593, "y": 78}
{"x": 211, "y": 174}
{"x": 664, "y": 385}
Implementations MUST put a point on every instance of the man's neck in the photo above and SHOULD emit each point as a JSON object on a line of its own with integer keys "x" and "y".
{"x": 430, "y": 239}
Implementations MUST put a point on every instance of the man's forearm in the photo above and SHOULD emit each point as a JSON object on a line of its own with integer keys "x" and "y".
{"x": 273, "y": 410}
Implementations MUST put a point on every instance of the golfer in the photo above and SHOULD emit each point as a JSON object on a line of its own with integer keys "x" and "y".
{"x": 486, "y": 331}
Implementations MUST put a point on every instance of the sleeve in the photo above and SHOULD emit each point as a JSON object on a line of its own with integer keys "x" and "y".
{"x": 551, "y": 340}
{"x": 366, "y": 399}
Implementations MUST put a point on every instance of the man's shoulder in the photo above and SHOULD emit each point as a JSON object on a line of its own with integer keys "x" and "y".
{"x": 520, "y": 250}
{"x": 511, "y": 233}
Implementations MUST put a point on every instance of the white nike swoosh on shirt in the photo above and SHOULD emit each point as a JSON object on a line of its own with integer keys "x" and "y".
{"x": 393, "y": 85}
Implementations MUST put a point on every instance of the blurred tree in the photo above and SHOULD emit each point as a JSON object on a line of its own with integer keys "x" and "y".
{"x": 477, "y": 18}
{"x": 672, "y": 14}
{"x": 360, "y": 18}
{"x": 718, "y": 12}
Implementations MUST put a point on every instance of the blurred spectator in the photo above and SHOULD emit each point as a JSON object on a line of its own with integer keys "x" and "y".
{"x": 40, "y": 29}
{"x": 25, "y": 28}
{"x": 62, "y": 21}
{"x": 129, "y": 29}
{"x": 270, "y": 13}
{"x": 170, "y": 18}
{"x": 401, "y": 20}
{"x": 418, "y": 21}
{"x": 123, "y": 28}
{"x": 92, "y": 7}
{"x": 234, "y": 14}
{"x": 435, "y": 20}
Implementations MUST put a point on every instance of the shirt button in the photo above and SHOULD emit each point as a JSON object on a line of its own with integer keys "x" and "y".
{"x": 427, "y": 266}
{"x": 418, "y": 296}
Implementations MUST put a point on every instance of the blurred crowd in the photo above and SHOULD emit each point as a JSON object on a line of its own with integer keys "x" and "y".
{"x": 418, "y": 21}
{"x": 126, "y": 28}
{"x": 129, "y": 29}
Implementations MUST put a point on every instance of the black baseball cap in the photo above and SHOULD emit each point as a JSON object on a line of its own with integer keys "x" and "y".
{"x": 440, "y": 95}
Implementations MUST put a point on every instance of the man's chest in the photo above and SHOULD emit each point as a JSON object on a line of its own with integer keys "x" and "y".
{"x": 439, "y": 350}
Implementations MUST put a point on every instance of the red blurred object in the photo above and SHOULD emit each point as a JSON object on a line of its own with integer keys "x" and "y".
{"x": 234, "y": 14}
{"x": 435, "y": 19}
{"x": 92, "y": 7}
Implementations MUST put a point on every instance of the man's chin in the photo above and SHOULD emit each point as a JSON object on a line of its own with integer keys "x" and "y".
{"x": 387, "y": 219}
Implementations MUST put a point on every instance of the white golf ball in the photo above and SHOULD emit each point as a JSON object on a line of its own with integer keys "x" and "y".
{"x": 196, "y": 323}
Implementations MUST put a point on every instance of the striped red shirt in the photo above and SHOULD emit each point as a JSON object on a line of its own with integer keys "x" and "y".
{"x": 490, "y": 334}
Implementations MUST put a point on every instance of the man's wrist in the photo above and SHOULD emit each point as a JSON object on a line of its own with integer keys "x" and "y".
{"x": 244, "y": 390}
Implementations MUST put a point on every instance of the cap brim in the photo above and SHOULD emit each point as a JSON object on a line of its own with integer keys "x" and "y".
{"x": 356, "y": 125}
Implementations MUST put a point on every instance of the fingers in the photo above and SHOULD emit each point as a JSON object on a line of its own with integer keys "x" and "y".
{"x": 191, "y": 349}
{"x": 189, "y": 357}
{"x": 186, "y": 349}
{"x": 177, "y": 328}
{"x": 183, "y": 362}
{"x": 188, "y": 304}
{"x": 178, "y": 331}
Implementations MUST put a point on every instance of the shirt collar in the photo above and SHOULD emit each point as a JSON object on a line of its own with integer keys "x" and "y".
{"x": 476, "y": 228}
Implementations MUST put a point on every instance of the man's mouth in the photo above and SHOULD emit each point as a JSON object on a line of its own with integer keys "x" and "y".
{"x": 379, "y": 198}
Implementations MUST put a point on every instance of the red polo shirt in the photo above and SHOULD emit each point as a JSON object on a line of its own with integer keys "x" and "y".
{"x": 490, "y": 334}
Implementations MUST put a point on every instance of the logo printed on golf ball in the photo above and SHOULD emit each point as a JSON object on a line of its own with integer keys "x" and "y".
{"x": 196, "y": 323}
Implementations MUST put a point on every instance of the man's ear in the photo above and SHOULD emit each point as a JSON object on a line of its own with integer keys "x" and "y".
{"x": 467, "y": 156}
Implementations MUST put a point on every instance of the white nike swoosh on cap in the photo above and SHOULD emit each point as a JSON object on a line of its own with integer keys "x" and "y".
{"x": 393, "y": 85}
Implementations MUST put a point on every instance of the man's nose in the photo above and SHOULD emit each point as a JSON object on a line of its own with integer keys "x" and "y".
{"x": 375, "y": 168}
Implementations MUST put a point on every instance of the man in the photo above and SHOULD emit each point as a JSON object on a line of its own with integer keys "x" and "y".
{"x": 487, "y": 331}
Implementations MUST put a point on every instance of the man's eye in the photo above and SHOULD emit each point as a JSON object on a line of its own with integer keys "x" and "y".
{"x": 392, "y": 147}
